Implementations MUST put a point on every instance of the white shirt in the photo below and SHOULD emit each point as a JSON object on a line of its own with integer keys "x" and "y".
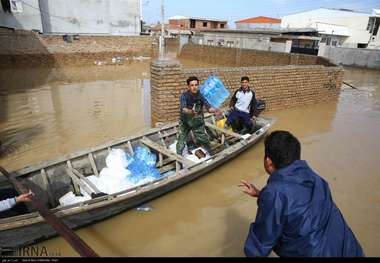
{"x": 243, "y": 100}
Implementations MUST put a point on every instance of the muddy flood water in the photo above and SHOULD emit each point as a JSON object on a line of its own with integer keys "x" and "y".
{"x": 46, "y": 113}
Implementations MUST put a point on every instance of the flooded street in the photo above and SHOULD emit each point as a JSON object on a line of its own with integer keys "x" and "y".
{"x": 46, "y": 113}
{"x": 55, "y": 111}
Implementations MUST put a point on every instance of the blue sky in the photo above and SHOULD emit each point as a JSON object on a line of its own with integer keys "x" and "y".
{"x": 233, "y": 10}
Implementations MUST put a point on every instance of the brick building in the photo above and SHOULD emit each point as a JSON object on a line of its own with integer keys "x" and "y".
{"x": 182, "y": 22}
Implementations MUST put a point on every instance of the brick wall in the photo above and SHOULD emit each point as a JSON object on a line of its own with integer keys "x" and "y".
{"x": 280, "y": 86}
{"x": 234, "y": 57}
{"x": 20, "y": 48}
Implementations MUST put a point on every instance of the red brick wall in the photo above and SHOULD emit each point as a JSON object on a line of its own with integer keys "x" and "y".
{"x": 234, "y": 57}
{"x": 185, "y": 24}
{"x": 280, "y": 86}
{"x": 179, "y": 24}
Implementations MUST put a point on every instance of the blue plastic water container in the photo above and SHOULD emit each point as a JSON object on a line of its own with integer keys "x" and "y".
{"x": 214, "y": 91}
{"x": 142, "y": 165}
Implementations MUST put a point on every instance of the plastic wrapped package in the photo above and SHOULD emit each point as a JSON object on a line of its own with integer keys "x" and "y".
{"x": 143, "y": 166}
{"x": 70, "y": 198}
{"x": 214, "y": 91}
{"x": 117, "y": 158}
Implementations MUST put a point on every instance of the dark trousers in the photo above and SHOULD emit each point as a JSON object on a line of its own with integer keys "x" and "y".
{"x": 18, "y": 209}
{"x": 237, "y": 116}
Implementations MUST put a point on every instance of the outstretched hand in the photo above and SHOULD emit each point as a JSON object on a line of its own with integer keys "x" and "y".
{"x": 218, "y": 112}
{"x": 249, "y": 188}
{"x": 24, "y": 197}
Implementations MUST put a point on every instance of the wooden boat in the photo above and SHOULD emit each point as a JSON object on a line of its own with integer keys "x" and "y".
{"x": 52, "y": 179}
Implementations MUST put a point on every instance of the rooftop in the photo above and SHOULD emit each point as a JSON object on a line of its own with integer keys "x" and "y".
{"x": 264, "y": 30}
{"x": 328, "y": 12}
{"x": 179, "y": 17}
{"x": 260, "y": 19}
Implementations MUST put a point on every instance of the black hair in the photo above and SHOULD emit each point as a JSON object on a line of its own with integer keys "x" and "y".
{"x": 283, "y": 148}
{"x": 244, "y": 78}
{"x": 191, "y": 79}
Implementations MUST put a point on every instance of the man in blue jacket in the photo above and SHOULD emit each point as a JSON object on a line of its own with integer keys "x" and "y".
{"x": 296, "y": 215}
{"x": 12, "y": 204}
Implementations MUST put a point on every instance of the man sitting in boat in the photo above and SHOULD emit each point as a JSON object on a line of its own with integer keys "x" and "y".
{"x": 191, "y": 116}
{"x": 242, "y": 108}
{"x": 12, "y": 203}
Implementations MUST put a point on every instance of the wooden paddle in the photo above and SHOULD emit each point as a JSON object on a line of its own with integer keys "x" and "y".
{"x": 75, "y": 241}
{"x": 350, "y": 85}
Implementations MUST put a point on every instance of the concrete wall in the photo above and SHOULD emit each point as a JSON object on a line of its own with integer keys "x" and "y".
{"x": 234, "y": 57}
{"x": 102, "y": 17}
{"x": 116, "y": 17}
{"x": 236, "y": 40}
{"x": 358, "y": 57}
{"x": 257, "y": 25}
{"x": 281, "y": 87}
{"x": 28, "y": 19}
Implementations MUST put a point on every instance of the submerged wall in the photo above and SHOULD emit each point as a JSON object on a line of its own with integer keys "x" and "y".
{"x": 21, "y": 48}
{"x": 239, "y": 57}
{"x": 356, "y": 57}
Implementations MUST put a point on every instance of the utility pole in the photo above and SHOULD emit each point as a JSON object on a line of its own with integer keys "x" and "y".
{"x": 162, "y": 39}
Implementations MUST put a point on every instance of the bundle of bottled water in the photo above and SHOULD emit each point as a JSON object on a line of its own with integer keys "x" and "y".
{"x": 142, "y": 166}
{"x": 214, "y": 91}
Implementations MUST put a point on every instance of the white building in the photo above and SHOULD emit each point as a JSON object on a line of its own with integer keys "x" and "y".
{"x": 339, "y": 27}
{"x": 95, "y": 17}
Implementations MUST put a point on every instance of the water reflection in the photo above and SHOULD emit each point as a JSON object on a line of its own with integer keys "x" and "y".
{"x": 73, "y": 109}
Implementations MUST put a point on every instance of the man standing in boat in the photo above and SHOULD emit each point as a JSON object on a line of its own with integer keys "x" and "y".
{"x": 296, "y": 215}
{"x": 191, "y": 116}
{"x": 242, "y": 107}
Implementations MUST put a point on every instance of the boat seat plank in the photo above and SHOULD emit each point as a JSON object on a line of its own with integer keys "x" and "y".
{"x": 167, "y": 134}
{"x": 75, "y": 183}
{"x": 165, "y": 151}
{"x": 130, "y": 147}
{"x": 167, "y": 168}
{"x": 78, "y": 182}
{"x": 233, "y": 134}
{"x": 87, "y": 181}
{"x": 46, "y": 187}
{"x": 93, "y": 164}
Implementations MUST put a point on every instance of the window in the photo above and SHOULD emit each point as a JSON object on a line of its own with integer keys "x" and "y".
{"x": 192, "y": 23}
{"x": 16, "y": 6}
{"x": 333, "y": 43}
{"x": 371, "y": 21}
{"x": 204, "y": 24}
{"x": 230, "y": 43}
{"x": 296, "y": 43}
{"x": 328, "y": 41}
{"x": 221, "y": 25}
{"x": 323, "y": 40}
{"x": 376, "y": 27}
